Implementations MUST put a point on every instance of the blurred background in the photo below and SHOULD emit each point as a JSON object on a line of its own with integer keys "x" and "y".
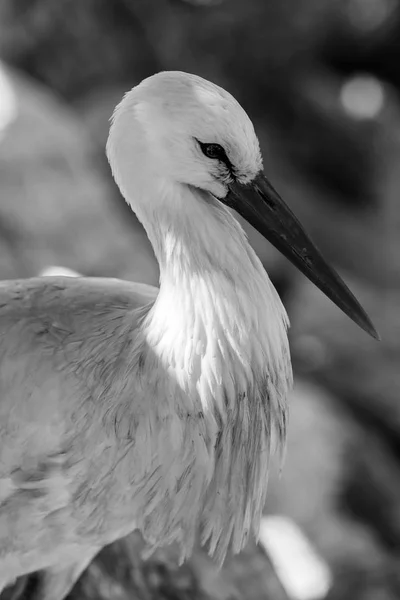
{"x": 320, "y": 79}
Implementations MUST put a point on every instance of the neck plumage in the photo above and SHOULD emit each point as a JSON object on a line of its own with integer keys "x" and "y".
{"x": 218, "y": 320}
{"x": 219, "y": 326}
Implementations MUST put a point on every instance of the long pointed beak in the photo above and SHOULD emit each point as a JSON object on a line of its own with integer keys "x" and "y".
{"x": 264, "y": 209}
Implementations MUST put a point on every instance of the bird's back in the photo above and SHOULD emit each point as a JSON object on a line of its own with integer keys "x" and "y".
{"x": 61, "y": 342}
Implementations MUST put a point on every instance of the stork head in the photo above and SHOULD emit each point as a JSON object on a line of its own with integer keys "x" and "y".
{"x": 193, "y": 132}
{"x": 189, "y": 137}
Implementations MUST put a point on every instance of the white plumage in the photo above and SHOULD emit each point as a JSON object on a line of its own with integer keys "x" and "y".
{"x": 123, "y": 406}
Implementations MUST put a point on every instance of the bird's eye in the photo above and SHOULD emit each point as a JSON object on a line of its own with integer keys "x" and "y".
{"x": 213, "y": 151}
{"x": 216, "y": 152}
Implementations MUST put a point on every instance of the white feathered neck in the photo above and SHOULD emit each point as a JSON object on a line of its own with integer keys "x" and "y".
{"x": 218, "y": 320}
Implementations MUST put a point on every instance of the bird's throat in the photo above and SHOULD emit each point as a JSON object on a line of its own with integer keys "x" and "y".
{"x": 215, "y": 341}
{"x": 218, "y": 322}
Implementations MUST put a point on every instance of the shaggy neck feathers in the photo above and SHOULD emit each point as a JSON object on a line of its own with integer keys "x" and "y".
{"x": 218, "y": 329}
{"x": 218, "y": 321}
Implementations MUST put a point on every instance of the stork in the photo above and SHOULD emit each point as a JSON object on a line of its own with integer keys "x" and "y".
{"x": 125, "y": 407}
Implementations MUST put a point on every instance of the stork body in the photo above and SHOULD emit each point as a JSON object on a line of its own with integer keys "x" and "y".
{"x": 123, "y": 406}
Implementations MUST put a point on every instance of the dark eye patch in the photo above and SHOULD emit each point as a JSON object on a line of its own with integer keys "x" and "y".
{"x": 216, "y": 152}
{"x": 213, "y": 151}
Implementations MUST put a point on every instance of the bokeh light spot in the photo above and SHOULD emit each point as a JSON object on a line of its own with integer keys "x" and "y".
{"x": 368, "y": 15}
{"x": 362, "y": 97}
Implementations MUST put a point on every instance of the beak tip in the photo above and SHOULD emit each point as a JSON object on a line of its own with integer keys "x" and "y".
{"x": 367, "y": 325}
{"x": 375, "y": 334}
